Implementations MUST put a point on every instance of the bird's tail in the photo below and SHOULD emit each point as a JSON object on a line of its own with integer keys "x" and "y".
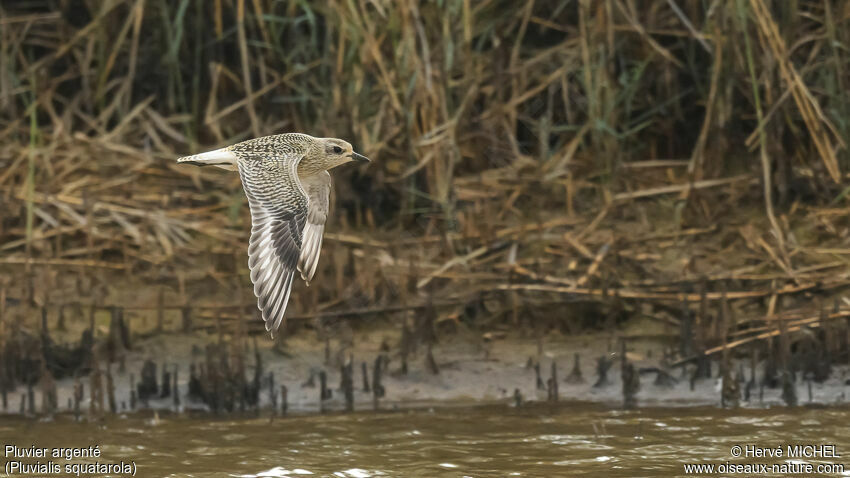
{"x": 223, "y": 158}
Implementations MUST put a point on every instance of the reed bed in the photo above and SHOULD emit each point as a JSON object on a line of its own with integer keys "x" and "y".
{"x": 535, "y": 164}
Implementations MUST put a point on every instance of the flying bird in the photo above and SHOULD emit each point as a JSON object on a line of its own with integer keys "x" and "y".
{"x": 286, "y": 180}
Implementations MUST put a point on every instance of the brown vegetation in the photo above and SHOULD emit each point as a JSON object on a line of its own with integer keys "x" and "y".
{"x": 619, "y": 156}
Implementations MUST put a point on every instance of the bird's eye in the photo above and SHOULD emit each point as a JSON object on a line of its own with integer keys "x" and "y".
{"x": 337, "y": 150}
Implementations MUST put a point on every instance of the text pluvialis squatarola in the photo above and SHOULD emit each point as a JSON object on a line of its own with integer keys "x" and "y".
{"x": 286, "y": 179}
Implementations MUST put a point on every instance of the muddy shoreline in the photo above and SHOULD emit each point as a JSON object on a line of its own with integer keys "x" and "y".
{"x": 466, "y": 369}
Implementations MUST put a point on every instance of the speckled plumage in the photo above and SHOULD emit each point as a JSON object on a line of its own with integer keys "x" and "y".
{"x": 286, "y": 180}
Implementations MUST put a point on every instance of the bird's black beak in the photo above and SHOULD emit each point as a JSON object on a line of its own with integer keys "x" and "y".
{"x": 359, "y": 158}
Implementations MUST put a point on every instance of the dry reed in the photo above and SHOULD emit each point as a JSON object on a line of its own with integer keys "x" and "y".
{"x": 530, "y": 148}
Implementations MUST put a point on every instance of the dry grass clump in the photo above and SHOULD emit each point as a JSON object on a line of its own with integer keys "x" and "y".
{"x": 525, "y": 151}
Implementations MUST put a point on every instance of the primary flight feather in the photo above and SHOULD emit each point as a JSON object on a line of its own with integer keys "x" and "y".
{"x": 286, "y": 180}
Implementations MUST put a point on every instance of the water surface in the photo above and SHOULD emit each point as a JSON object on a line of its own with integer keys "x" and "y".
{"x": 573, "y": 439}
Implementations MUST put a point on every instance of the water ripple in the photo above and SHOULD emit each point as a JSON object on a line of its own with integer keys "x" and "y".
{"x": 568, "y": 440}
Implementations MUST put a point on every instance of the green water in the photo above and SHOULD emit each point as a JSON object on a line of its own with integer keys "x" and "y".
{"x": 567, "y": 440}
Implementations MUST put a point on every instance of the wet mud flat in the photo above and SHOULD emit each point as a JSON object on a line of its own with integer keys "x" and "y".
{"x": 164, "y": 352}
{"x": 387, "y": 368}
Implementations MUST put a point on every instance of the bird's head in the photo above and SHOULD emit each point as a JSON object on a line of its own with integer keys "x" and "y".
{"x": 332, "y": 152}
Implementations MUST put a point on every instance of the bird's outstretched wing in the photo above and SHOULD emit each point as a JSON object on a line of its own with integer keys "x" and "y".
{"x": 279, "y": 211}
{"x": 318, "y": 189}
